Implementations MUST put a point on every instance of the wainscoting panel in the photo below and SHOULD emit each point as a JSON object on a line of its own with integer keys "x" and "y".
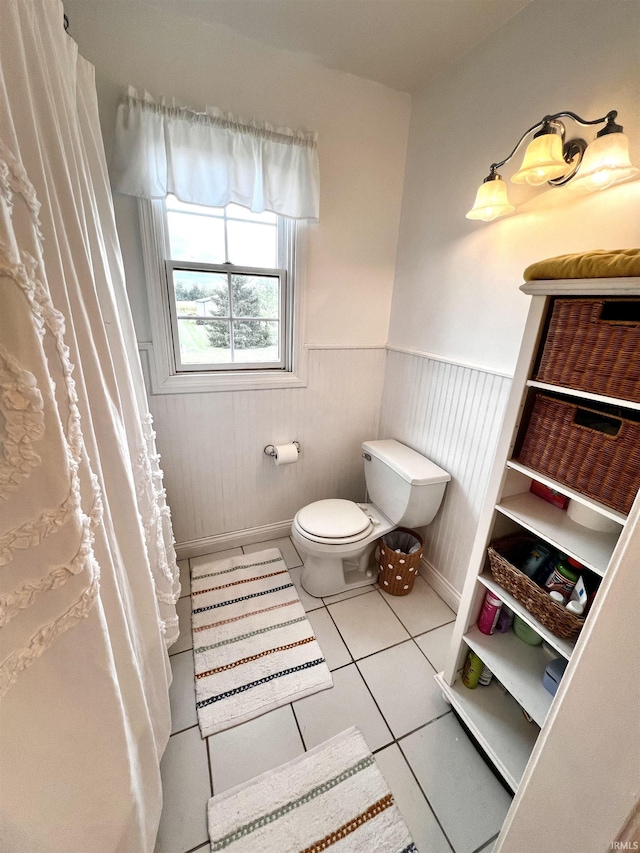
{"x": 452, "y": 414}
{"x": 217, "y": 477}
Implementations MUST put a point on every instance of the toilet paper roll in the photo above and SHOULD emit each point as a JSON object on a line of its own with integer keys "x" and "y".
{"x": 286, "y": 454}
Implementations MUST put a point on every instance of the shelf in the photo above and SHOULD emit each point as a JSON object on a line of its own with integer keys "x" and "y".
{"x": 568, "y": 491}
{"x": 563, "y": 647}
{"x": 590, "y": 547}
{"x": 518, "y": 666}
{"x": 614, "y": 286}
{"x": 496, "y": 721}
{"x": 585, "y": 395}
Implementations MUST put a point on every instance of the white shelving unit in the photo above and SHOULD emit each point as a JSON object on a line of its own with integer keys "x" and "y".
{"x": 612, "y": 514}
{"x": 494, "y": 714}
{"x": 498, "y": 724}
{"x": 563, "y": 647}
{"x": 589, "y": 547}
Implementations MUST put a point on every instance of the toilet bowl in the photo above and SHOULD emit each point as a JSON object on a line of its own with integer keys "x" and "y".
{"x": 334, "y": 563}
{"x": 337, "y": 538}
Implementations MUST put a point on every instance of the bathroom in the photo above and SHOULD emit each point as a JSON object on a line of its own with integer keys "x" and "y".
{"x": 408, "y": 323}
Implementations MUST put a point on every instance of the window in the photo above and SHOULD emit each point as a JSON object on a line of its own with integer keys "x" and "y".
{"x": 223, "y": 296}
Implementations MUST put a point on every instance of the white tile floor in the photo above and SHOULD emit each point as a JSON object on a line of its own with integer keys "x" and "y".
{"x": 383, "y": 652}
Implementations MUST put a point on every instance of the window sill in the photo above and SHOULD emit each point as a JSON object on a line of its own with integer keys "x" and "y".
{"x": 202, "y": 383}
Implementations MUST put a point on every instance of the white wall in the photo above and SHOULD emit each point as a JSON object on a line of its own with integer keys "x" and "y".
{"x": 451, "y": 414}
{"x": 456, "y": 287}
{"x": 210, "y": 450}
{"x": 218, "y": 478}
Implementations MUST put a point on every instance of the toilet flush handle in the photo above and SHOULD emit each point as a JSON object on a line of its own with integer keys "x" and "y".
{"x": 366, "y": 456}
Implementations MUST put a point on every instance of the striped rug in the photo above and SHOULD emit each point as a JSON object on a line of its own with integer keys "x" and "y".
{"x": 333, "y": 794}
{"x": 253, "y": 646}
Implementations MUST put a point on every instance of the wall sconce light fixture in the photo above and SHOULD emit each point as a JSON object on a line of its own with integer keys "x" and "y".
{"x": 550, "y": 159}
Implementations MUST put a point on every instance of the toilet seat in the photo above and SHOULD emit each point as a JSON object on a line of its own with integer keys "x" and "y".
{"x": 333, "y": 522}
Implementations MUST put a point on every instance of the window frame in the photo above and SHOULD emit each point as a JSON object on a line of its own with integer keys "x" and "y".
{"x": 163, "y": 370}
{"x": 229, "y": 269}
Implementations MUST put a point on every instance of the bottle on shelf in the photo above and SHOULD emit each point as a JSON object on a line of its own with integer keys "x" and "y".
{"x": 491, "y": 608}
{"x": 538, "y": 556}
{"x": 485, "y": 676}
{"x": 562, "y": 579}
{"x": 472, "y": 671}
{"x": 505, "y": 620}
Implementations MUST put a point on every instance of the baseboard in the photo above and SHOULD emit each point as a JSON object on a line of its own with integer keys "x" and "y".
{"x": 441, "y": 585}
{"x": 225, "y": 541}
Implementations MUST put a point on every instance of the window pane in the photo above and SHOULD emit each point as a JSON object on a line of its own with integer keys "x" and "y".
{"x": 255, "y": 296}
{"x": 204, "y": 341}
{"x": 201, "y": 294}
{"x": 255, "y": 340}
{"x": 236, "y": 211}
{"x": 252, "y": 244}
{"x": 196, "y": 238}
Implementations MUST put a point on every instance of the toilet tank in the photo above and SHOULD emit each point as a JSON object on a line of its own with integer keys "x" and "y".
{"x": 406, "y": 486}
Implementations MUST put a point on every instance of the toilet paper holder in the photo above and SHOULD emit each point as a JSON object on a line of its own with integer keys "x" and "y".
{"x": 270, "y": 449}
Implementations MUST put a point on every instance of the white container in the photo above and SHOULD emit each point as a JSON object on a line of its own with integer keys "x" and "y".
{"x": 587, "y": 517}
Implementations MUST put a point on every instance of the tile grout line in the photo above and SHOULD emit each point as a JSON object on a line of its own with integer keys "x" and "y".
{"x": 186, "y": 729}
{"x": 293, "y": 711}
{"x": 413, "y": 636}
{"x": 363, "y": 678}
{"x": 364, "y": 589}
{"x": 424, "y": 654}
{"x": 482, "y": 846}
{"x": 206, "y": 845}
{"x": 210, "y": 769}
{"x": 183, "y": 652}
{"x": 356, "y": 661}
{"x": 394, "y": 739}
{"x": 433, "y": 811}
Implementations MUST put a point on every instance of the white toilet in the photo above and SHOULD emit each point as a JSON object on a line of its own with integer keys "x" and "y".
{"x": 336, "y": 537}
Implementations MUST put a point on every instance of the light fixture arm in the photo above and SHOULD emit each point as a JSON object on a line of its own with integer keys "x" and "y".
{"x": 550, "y": 119}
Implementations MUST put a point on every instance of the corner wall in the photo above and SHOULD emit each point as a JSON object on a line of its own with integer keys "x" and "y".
{"x": 457, "y": 312}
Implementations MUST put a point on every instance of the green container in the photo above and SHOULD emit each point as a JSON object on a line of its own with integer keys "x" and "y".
{"x": 472, "y": 671}
{"x": 525, "y": 632}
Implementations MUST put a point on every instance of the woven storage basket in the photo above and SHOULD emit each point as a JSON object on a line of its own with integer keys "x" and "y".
{"x": 602, "y": 466}
{"x": 397, "y": 572}
{"x": 586, "y": 351}
{"x": 556, "y": 618}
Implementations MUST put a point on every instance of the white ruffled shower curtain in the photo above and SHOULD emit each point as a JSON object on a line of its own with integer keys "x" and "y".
{"x": 88, "y": 579}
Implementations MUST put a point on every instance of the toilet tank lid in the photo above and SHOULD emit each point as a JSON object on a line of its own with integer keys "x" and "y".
{"x": 410, "y": 465}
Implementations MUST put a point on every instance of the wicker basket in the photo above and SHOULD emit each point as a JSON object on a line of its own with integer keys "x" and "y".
{"x": 556, "y": 618}
{"x": 586, "y": 351}
{"x": 397, "y": 572}
{"x": 602, "y": 466}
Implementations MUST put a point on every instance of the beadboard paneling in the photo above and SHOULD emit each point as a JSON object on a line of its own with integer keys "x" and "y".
{"x": 452, "y": 414}
{"x": 217, "y": 477}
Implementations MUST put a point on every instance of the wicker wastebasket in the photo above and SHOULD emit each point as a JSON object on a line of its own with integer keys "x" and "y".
{"x": 398, "y": 561}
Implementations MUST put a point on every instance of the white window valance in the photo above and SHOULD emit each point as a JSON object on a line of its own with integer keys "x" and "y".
{"x": 214, "y": 158}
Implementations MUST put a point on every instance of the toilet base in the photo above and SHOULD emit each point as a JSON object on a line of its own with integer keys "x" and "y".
{"x": 326, "y": 575}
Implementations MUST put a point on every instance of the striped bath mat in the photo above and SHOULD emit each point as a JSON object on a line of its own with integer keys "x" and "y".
{"x": 253, "y": 646}
{"x": 333, "y": 794}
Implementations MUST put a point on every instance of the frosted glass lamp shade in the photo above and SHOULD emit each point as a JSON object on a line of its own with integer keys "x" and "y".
{"x": 491, "y": 201}
{"x": 605, "y": 162}
{"x": 543, "y": 161}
